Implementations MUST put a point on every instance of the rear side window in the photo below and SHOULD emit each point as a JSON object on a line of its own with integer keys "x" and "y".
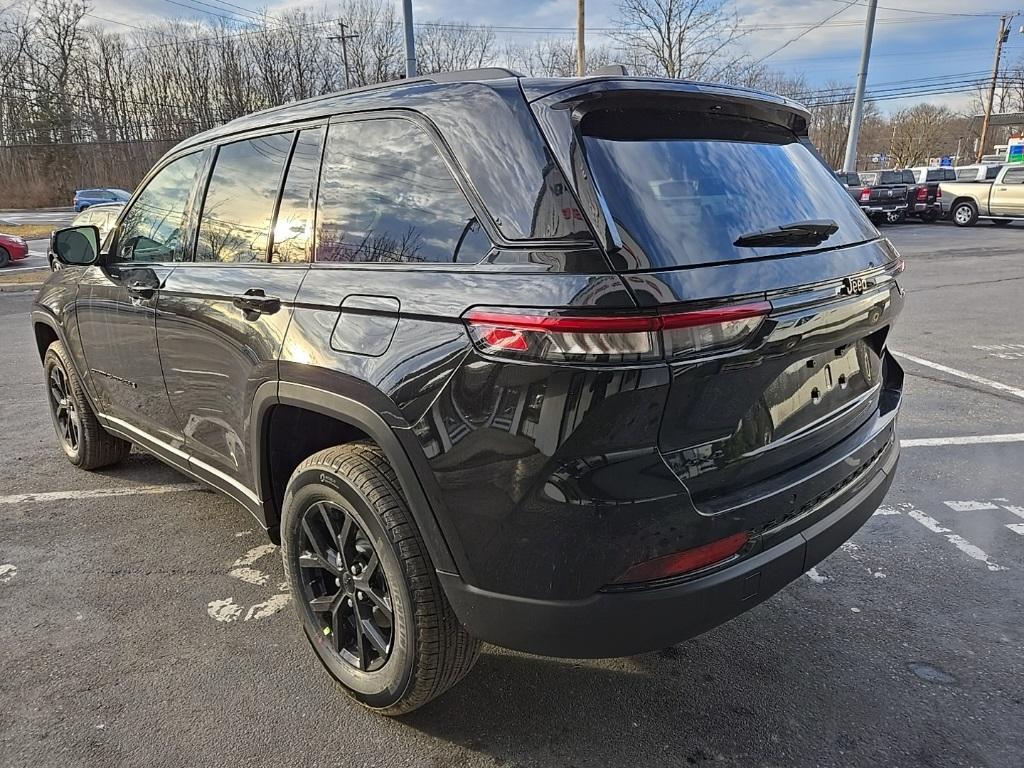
{"x": 386, "y": 195}
{"x": 293, "y": 228}
{"x": 936, "y": 175}
{"x": 683, "y": 187}
{"x": 992, "y": 171}
{"x": 240, "y": 199}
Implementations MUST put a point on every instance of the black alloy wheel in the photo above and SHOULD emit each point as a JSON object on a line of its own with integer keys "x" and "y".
{"x": 65, "y": 415}
{"x": 344, "y": 586}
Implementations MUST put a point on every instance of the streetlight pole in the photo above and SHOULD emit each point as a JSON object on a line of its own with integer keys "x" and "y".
{"x": 410, "y": 39}
{"x": 850, "y": 161}
{"x": 344, "y": 47}
{"x": 1004, "y": 34}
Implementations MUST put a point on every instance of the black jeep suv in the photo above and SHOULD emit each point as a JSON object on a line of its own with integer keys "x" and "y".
{"x": 580, "y": 367}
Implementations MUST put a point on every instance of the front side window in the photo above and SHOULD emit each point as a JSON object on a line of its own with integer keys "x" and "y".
{"x": 293, "y": 228}
{"x": 153, "y": 228}
{"x": 235, "y": 222}
{"x": 386, "y": 195}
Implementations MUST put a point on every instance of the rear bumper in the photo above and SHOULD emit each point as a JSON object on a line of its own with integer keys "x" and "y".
{"x": 623, "y": 623}
{"x": 884, "y": 208}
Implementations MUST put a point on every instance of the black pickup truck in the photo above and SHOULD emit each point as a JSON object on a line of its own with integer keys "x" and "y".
{"x": 929, "y": 179}
{"x": 893, "y": 196}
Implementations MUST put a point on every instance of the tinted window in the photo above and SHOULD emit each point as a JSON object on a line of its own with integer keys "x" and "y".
{"x": 152, "y": 228}
{"x": 890, "y": 177}
{"x": 240, "y": 199}
{"x": 992, "y": 171}
{"x": 908, "y": 177}
{"x": 386, "y": 195}
{"x": 294, "y": 227}
{"x": 936, "y": 175}
{"x": 1014, "y": 176}
{"x": 683, "y": 187}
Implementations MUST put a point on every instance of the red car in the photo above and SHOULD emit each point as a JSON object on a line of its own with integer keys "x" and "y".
{"x": 12, "y": 248}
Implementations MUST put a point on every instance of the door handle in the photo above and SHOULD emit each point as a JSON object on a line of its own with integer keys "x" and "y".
{"x": 141, "y": 290}
{"x": 254, "y": 302}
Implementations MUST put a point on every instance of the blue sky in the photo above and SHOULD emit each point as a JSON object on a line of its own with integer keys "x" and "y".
{"x": 913, "y": 38}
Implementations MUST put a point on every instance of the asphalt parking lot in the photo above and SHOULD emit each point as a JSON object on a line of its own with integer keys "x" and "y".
{"x": 128, "y": 638}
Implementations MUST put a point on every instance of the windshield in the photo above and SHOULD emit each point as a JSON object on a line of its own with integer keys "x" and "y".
{"x": 683, "y": 187}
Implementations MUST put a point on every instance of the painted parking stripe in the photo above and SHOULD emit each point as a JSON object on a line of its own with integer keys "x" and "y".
{"x": 971, "y": 550}
{"x": 970, "y": 506}
{"x": 99, "y": 493}
{"x": 928, "y": 442}
{"x": 1015, "y": 391}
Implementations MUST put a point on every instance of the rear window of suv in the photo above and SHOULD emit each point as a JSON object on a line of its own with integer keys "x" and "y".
{"x": 682, "y": 186}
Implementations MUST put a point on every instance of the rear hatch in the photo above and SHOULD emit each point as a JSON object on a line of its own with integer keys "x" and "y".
{"x": 718, "y": 210}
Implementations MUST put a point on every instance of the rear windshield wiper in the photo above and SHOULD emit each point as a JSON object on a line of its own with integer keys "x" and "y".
{"x": 797, "y": 233}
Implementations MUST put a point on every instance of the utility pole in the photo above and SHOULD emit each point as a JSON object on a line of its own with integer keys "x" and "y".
{"x": 850, "y": 161}
{"x": 1004, "y": 34}
{"x": 581, "y": 31}
{"x": 344, "y": 47}
{"x": 410, "y": 39}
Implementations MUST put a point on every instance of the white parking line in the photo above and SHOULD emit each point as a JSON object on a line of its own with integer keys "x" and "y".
{"x": 969, "y": 506}
{"x": 98, "y": 493}
{"x": 927, "y": 442}
{"x": 1015, "y": 391}
{"x": 957, "y": 541}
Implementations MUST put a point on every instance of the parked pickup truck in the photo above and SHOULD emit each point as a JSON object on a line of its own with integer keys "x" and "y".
{"x": 852, "y": 182}
{"x": 1001, "y": 200}
{"x": 893, "y": 197}
{"x": 929, "y": 180}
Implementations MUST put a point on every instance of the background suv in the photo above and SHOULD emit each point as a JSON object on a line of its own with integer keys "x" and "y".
{"x": 85, "y": 198}
{"x": 578, "y": 367}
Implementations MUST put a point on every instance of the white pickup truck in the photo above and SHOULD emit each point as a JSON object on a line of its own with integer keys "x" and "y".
{"x": 1000, "y": 200}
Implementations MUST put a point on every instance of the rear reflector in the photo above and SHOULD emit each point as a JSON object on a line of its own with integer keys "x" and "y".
{"x": 684, "y": 562}
{"x": 555, "y": 337}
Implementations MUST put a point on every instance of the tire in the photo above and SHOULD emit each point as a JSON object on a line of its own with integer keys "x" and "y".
{"x": 1002, "y": 222}
{"x": 964, "y": 214}
{"x": 86, "y": 444}
{"x": 395, "y": 664}
{"x": 5, "y": 257}
{"x": 895, "y": 217}
{"x": 930, "y": 217}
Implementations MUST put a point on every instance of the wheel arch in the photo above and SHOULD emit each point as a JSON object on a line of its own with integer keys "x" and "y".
{"x": 352, "y": 420}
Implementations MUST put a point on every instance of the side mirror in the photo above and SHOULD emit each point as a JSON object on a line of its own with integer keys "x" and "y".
{"x": 76, "y": 246}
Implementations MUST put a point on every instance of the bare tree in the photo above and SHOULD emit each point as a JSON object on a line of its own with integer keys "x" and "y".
{"x": 692, "y": 39}
{"x": 447, "y": 47}
{"x": 554, "y": 57}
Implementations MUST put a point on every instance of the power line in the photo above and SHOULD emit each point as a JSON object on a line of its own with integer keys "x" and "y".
{"x": 807, "y": 31}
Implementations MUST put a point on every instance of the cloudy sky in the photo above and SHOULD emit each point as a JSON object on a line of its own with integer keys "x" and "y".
{"x": 935, "y": 43}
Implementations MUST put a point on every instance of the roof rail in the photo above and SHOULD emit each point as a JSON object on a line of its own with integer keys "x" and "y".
{"x": 483, "y": 73}
{"x": 610, "y": 70}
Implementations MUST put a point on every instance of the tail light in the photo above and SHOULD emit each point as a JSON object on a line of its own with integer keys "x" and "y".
{"x": 610, "y": 339}
{"x": 865, "y": 195}
{"x": 922, "y": 193}
{"x": 687, "y": 561}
